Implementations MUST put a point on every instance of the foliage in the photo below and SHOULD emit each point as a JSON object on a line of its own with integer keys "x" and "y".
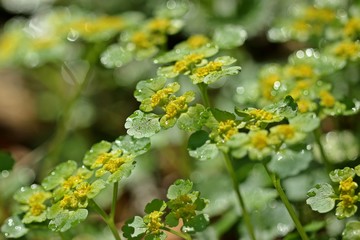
{"x": 285, "y": 117}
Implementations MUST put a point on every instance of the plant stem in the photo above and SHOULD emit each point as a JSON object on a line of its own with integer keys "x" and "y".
{"x": 204, "y": 95}
{"x": 179, "y": 234}
{"x": 277, "y": 184}
{"x": 325, "y": 159}
{"x": 114, "y": 200}
{"x": 107, "y": 219}
{"x": 62, "y": 129}
{"x": 235, "y": 182}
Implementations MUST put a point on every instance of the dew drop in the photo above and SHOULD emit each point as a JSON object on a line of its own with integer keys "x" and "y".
{"x": 72, "y": 35}
{"x": 282, "y": 228}
{"x": 171, "y": 4}
{"x": 10, "y": 222}
{"x": 240, "y": 90}
{"x": 277, "y": 85}
{"x": 5, "y": 173}
{"x": 300, "y": 54}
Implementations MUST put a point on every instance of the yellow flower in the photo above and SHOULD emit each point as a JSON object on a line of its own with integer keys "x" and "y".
{"x": 300, "y": 88}
{"x": 197, "y": 41}
{"x": 305, "y": 105}
{"x": 347, "y": 50}
{"x": 352, "y": 27}
{"x": 184, "y": 64}
{"x": 82, "y": 190}
{"x": 159, "y": 25}
{"x": 163, "y": 94}
{"x": 69, "y": 201}
{"x": 261, "y": 114}
{"x": 36, "y": 203}
{"x": 114, "y": 163}
{"x": 90, "y": 27}
{"x": 9, "y": 43}
{"x": 322, "y": 15}
{"x": 208, "y": 68}
{"x": 302, "y": 70}
{"x": 347, "y": 185}
{"x": 142, "y": 40}
{"x": 176, "y": 106}
{"x": 259, "y": 139}
{"x": 226, "y": 129}
{"x": 283, "y": 131}
{"x": 267, "y": 85}
{"x": 327, "y": 100}
{"x": 153, "y": 221}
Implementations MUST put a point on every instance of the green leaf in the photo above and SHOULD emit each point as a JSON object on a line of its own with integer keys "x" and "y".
{"x": 286, "y": 107}
{"x": 95, "y": 150}
{"x": 207, "y": 151}
{"x": 229, "y": 36}
{"x": 140, "y": 124}
{"x": 182, "y": 49}
{"x": 171, "y": 220}
{"x": 155, "y": 205}
{"x": 115, "y": 56}
{"x": 306, "y": 122}
{"x": 132, "y": 145}
{"x": 357, "y": 170}
{"x": 96, "y": 188}
{"x": 67, "y": 219}
{"x": 146, "y": 88}
{"x": 198, "y": 139}
{"x": 178, "y": 188}
{"x": 351, "y": 231}
{"x": 134, "y": 228}
{"x": 287, "y": 162}
{"x": 221, "y": 115}
{"x": 124, "y": 171}
{"x": 212, "y": 77}
{"x": 196, "y": 224}
{"x": 321, "y": 198}
{"x": 13, "y": 227}
{"x": 338, "y": 175}
{"x": 6, "y": 161}
{"x": 61, "y": 172}
{"x": 194, "y": 119}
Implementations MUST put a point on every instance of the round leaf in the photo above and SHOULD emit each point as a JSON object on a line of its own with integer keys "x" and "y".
{"x": 321, "y": 198}
{"x": 115, "y": 56}
{"x": 229, "y": 36}
{"x": 352, "y": 231}
{"x": 13, "y": 227}
{"x": 140, "y": 124}
{"x": 289, "y": 163}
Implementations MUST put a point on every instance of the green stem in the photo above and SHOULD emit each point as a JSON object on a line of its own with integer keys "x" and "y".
{"x": 179, "y": 234}
{"x": 114, "y": 200}
{"x": 325, "y": 159}
{"x": 109, "y": 221}
{"x": 235, "y": 182}
{"x": 204, "y": 95}
{"x": 62, "y": 129}
{"x": 63, "y": 236}
{"x": 277, "y": 184}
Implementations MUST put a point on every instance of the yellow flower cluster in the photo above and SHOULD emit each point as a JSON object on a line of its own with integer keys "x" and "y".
{"x": 197, "y": 41}
{"x": 185, "y": 64}
{"x": 153, "y": 221}
{"x": 212, "y": 66}
{"x": 227, "y": 129}
{"x": 175, "y": 107}
{"x": 348, "y": 199}
{"x": 36, "y": 203}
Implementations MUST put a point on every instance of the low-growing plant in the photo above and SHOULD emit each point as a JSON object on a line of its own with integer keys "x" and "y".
{"x": 270, "y": 132}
